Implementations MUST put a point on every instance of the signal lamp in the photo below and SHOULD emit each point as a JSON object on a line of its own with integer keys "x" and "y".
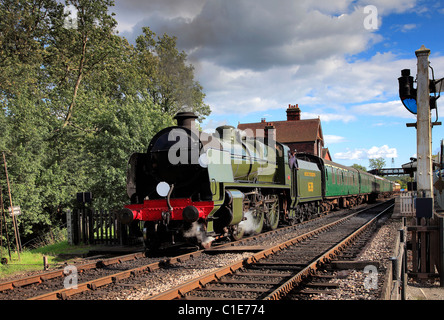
{"x": 406, "y": 91}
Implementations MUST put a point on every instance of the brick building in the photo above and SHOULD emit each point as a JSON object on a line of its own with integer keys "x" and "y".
{"x": 302, "y": 135}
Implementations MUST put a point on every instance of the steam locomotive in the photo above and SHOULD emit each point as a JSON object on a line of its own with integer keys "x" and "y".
{"x": 195, "y": 186}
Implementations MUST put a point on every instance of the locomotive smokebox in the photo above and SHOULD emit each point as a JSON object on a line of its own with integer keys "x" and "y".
{"x": 125, "y": 216}
{"x": 186, "y": 119}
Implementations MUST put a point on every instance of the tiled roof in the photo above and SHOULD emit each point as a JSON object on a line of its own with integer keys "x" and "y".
{"x": 289, "y": 131}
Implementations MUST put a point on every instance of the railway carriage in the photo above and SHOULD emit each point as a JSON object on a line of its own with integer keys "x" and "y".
{"x": 342, "y": 183}
{"x": 382, "y": 186}
{"x": 195, "y": 186}
{"x": 365, "y": 183}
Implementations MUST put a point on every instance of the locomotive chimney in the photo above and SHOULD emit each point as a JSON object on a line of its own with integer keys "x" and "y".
{"x": 186, "y": 119}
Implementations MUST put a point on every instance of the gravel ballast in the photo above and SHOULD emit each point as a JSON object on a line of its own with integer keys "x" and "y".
{"x": 360, "y": 285}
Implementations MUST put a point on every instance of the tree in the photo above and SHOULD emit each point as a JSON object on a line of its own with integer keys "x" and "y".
{"x": 167, "y": 79}
{"x": 359, "y": 167}
{"x": 73, "y": 54}
{"x": 123, "y": 129}
{"x": 377, "y": 163}
{"x": 77, "y": 102}
{"x": 24, "y": 29}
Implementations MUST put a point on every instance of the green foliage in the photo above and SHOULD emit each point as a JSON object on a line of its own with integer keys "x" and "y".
{"x": 76, "y": 102}
{"x": 403, "y": 180}
{"x": 124, "y": 128}
{"x": 168, "y": 80}
{"x": 377, "y": 163}
{"x": 29, "y": 261}
{"x": 32, "y": 259}
{"x": 359, "y": 167}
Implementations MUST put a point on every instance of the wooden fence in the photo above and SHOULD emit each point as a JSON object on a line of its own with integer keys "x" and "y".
{"x": 407, "y": 204}
{"x": 395, "y": 280}
{"x": 426, "y": 243}
{"x": 426, "y": 251}
{"x": 90, "y": 226}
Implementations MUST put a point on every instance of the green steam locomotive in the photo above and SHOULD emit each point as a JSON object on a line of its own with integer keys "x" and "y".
{"x": 197, "y": 186}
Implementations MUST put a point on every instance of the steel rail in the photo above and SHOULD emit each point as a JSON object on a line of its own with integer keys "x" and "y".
{"x": 181, "y": 290}
{"x": 94, "y": 284}
{"x": 324, "y": 258}
{"x": 59, "y": 273}
{"x": 48, "y": 275}
{"x": 116, "y": 277}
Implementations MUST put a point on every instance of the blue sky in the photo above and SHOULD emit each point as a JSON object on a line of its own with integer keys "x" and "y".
{"x": 255, "y": 57}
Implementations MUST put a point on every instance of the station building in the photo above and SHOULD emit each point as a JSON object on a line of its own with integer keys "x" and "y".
{"x": 300, "y": 135}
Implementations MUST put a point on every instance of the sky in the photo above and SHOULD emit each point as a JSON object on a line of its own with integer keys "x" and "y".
{"x": 337, "y": 59}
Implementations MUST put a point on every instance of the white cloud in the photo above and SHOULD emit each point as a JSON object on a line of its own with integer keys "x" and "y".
{"x": 254, "y": 34}
{"x": 329, "y": 139}
{"x": 248, "y": 60}
{"x": 372, "y": 153}
{"x": 356, "y": 154}
{"x": 327, "y": 117}
{"x": 388, "y": 6}
{"x": 408, "y": 27}
{"x": 332, "y": 88}
{"x": 130, "y": 12}
{"x": 382, "y": 152}
{"x": 209, "y": 126}
{"x": 389, "y": 108}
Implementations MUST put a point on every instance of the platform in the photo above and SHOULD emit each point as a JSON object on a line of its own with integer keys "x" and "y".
{"x": 419, "y": 291}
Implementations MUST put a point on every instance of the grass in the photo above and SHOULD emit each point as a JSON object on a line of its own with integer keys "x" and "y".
{"x": 32, "y": 260}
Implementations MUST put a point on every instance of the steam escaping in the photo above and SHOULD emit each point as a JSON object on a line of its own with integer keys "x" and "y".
{"x": 197, "y": 231}
{"x": 249, "y": 224}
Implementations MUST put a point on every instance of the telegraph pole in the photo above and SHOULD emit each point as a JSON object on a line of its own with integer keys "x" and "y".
{"x": 14, "y": 221}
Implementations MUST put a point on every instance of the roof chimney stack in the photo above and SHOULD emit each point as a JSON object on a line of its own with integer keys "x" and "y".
{"x": 293, "y": 113}
{"x": 270, "y": 132}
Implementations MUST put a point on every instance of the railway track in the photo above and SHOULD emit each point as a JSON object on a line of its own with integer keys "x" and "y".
{"x": 123, "y": 272}
{"x": 272, "y": 273}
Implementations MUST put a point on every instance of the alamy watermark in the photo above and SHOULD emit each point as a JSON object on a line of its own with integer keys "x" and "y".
{"x": 371, "y": 279}
{"x": 71, "y": 277}
{"x": 70, "y": 21}
{"x": 371, "y": 20}
{"x": 237, "y": 147}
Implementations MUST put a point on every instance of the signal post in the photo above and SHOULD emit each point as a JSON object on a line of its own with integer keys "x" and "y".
{"x": 424, "y": 131}
{"x": 427, "y": 234}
